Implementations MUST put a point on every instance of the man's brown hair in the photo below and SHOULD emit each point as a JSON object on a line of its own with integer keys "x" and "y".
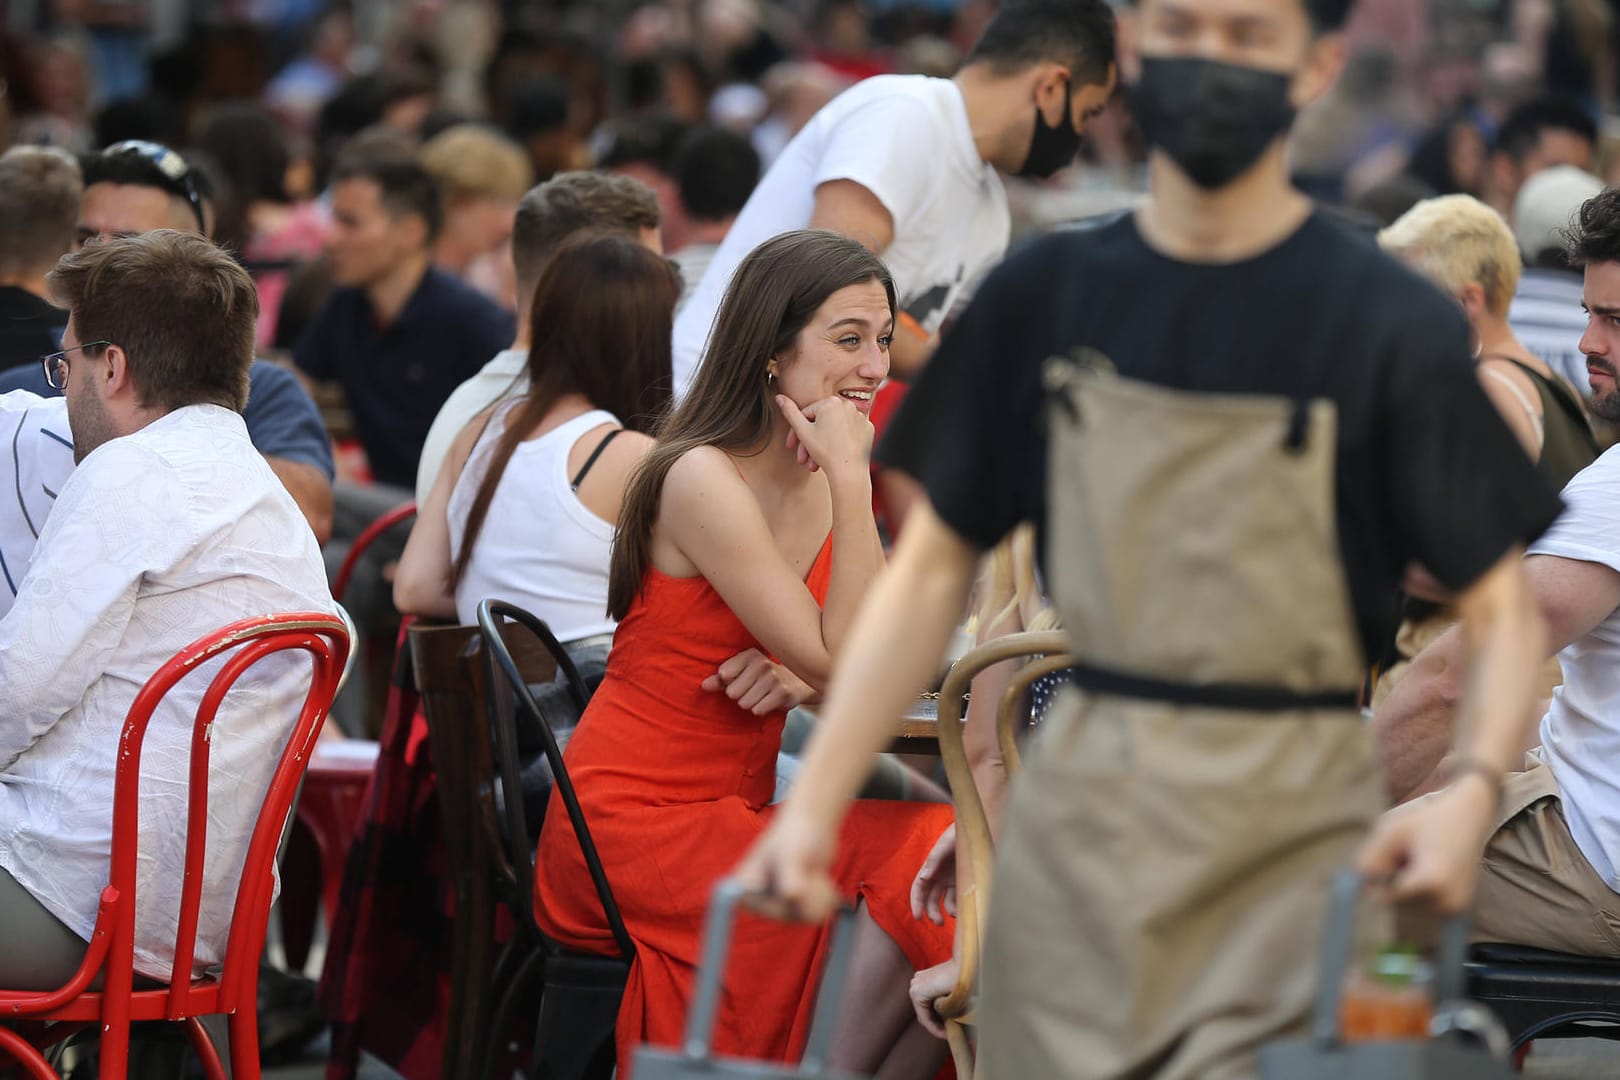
{"x": 40, "y": 192}
{"x": 571, "y": 202}
{"x": 182, "y": 310}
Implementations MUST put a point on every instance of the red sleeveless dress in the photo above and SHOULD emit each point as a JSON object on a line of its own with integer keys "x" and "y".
{"x": 675, "y": 782}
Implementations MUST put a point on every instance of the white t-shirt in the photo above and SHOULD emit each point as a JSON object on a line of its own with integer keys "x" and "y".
{"x": 1580, "y": 735}
{"x": 505, "y": 376}
{"x": 37, "y": 451}
{"x": 905, "y": 138}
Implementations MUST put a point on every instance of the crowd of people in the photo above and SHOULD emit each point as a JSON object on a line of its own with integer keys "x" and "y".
{"x": 1252, "y": 342}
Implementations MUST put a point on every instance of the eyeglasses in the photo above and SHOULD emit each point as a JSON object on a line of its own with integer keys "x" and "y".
{"x": 172, "y": 166}
{"x": 56, "y": 364}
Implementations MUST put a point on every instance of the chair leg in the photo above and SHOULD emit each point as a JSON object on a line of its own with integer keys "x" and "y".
{"x": 25, "y": 1055}
{"x": 244, "y": 1028}
{"x": 961, "y": 1052}
{"x": 531, "y": 966}
{"x": 207, "y": 1052}
{"x": 114, "y": 1050}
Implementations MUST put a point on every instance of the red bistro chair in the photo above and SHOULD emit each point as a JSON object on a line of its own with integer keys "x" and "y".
{"x": 111, "y": 951}
{"x": 367, "y": 537}
{"x": 333, "y": 799}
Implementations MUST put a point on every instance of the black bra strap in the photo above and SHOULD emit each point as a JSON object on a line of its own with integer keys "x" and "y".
{"x": 601, "y": 446}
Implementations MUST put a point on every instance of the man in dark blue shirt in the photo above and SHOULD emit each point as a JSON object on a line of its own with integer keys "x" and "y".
{"x": 396, "y": 333}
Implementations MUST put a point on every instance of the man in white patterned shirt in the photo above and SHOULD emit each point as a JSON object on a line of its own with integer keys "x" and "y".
{"x": 171, "y": 526}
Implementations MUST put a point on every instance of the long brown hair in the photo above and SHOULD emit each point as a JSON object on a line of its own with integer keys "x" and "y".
{"x": 772, "y": 296}
{"x": 601, "y": 323}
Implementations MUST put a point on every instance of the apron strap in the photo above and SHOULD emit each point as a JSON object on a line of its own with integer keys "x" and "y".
{"x": 1247, "y": 698}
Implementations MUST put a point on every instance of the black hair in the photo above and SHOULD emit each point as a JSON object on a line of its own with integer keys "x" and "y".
{"x": 1328, "y": 15}
{"x": 147, "y": 118}
{"x": 139, "y": 170}
{"x": 716, "y": 170}
{"x": 539, "y": 103}
{"x": 1524, "y": 126}
{"x": 652, "y": 138}
{"x": 406, "y": 187}
{"x": 1594, "y": 236}
{"x": 251, "y": 150}
{"x": 1076, "y": 33}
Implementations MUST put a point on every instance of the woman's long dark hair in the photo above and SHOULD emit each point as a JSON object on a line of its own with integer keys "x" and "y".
{"x": 600, "y": 327}
{"x": 730, "y": 405}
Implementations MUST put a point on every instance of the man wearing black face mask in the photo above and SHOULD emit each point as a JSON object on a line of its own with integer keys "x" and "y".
{"x": 907, "y": 165}
{"x": 1236, "y": 426}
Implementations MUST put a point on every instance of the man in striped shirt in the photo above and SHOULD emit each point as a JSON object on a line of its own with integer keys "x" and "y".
{"x": 36, "y": 456}
{"x": 1546, "y": 314}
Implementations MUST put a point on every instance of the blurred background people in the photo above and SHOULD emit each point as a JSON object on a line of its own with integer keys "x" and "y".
{"x": 40, "y": 189}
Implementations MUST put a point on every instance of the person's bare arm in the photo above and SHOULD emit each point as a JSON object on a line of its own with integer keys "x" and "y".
{"x": 846, "y": 207}
{"x": 1414, "y": 728}
{"x": 1432, "y": 848}
{"x": 422, "y": 584}
{"x": 310, "y": 489}
{"x": 892, "y": 653}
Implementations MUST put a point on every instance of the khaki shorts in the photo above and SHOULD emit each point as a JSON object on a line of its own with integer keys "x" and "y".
{"x": 1536, "y": 888}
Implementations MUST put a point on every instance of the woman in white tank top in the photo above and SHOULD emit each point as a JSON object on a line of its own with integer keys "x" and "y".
{"x": 524, "y": 509}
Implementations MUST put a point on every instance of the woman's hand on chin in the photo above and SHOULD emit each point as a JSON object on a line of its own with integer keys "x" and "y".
{"x": 831, "y": 435}
{"x": 758, "y": 684}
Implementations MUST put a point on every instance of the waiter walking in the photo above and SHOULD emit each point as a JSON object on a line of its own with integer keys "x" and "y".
{"x": 1236, "y": 425}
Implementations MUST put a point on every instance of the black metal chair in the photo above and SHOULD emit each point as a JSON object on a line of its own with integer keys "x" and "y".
{"x": 1546, "y": 995}
{"x": 579, "y": 1004}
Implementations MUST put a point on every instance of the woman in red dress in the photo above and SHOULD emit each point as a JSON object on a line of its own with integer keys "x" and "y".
{"x": 745, "y": 544}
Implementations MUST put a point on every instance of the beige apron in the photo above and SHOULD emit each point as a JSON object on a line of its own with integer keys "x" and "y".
{"x": 1162, "y": 876}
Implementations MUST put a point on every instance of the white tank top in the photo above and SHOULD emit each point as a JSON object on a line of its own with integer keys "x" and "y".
{"x": 540, "y": 548}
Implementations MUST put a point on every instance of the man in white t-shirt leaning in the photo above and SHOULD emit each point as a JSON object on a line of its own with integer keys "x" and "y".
{"x": 907, "y": 164}
{"x": 550, "y": 213}
{"x": 171, "y": 526}
{"x": 1552, "y": 869}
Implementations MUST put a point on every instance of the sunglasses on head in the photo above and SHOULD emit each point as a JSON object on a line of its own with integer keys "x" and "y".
{"x": 172, "y": 166}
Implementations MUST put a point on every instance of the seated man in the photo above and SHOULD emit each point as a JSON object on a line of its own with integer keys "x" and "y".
{"x": 547, "y": 215}
{"x": 133, "y": 188}
{"x": 1552, "y": 867}
{"x": 172, "y": 526}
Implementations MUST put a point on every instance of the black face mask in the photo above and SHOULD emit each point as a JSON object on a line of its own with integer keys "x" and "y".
{"x": 1051, "y": 148}
{"x": 1213, "y": 119}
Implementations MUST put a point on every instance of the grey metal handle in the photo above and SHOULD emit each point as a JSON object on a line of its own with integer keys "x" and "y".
{"x": 711, "y": 974}
{"x": 1338, "y": 938}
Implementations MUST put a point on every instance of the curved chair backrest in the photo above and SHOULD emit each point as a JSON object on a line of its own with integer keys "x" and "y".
{"x": 240, "y": 646}
{"x": 326, "y": 640}
{"x": 974, "y": 846}
{"x": 491, "y": 616}
{"x": 367, "y": 537}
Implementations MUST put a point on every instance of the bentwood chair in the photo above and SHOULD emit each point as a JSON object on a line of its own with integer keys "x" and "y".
{"x": 450, "y": 677}
{"x": 579, "y": 1003}
{"x": 974, "y": 844}
{"x": 111, "y": 953}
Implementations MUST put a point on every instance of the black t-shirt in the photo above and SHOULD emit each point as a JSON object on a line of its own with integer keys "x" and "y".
{"x": 29, "y": 328}
{"x": 1426, "y": 469}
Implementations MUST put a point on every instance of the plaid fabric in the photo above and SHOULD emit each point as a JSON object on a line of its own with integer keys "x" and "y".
{"x": 386, "y": 983}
